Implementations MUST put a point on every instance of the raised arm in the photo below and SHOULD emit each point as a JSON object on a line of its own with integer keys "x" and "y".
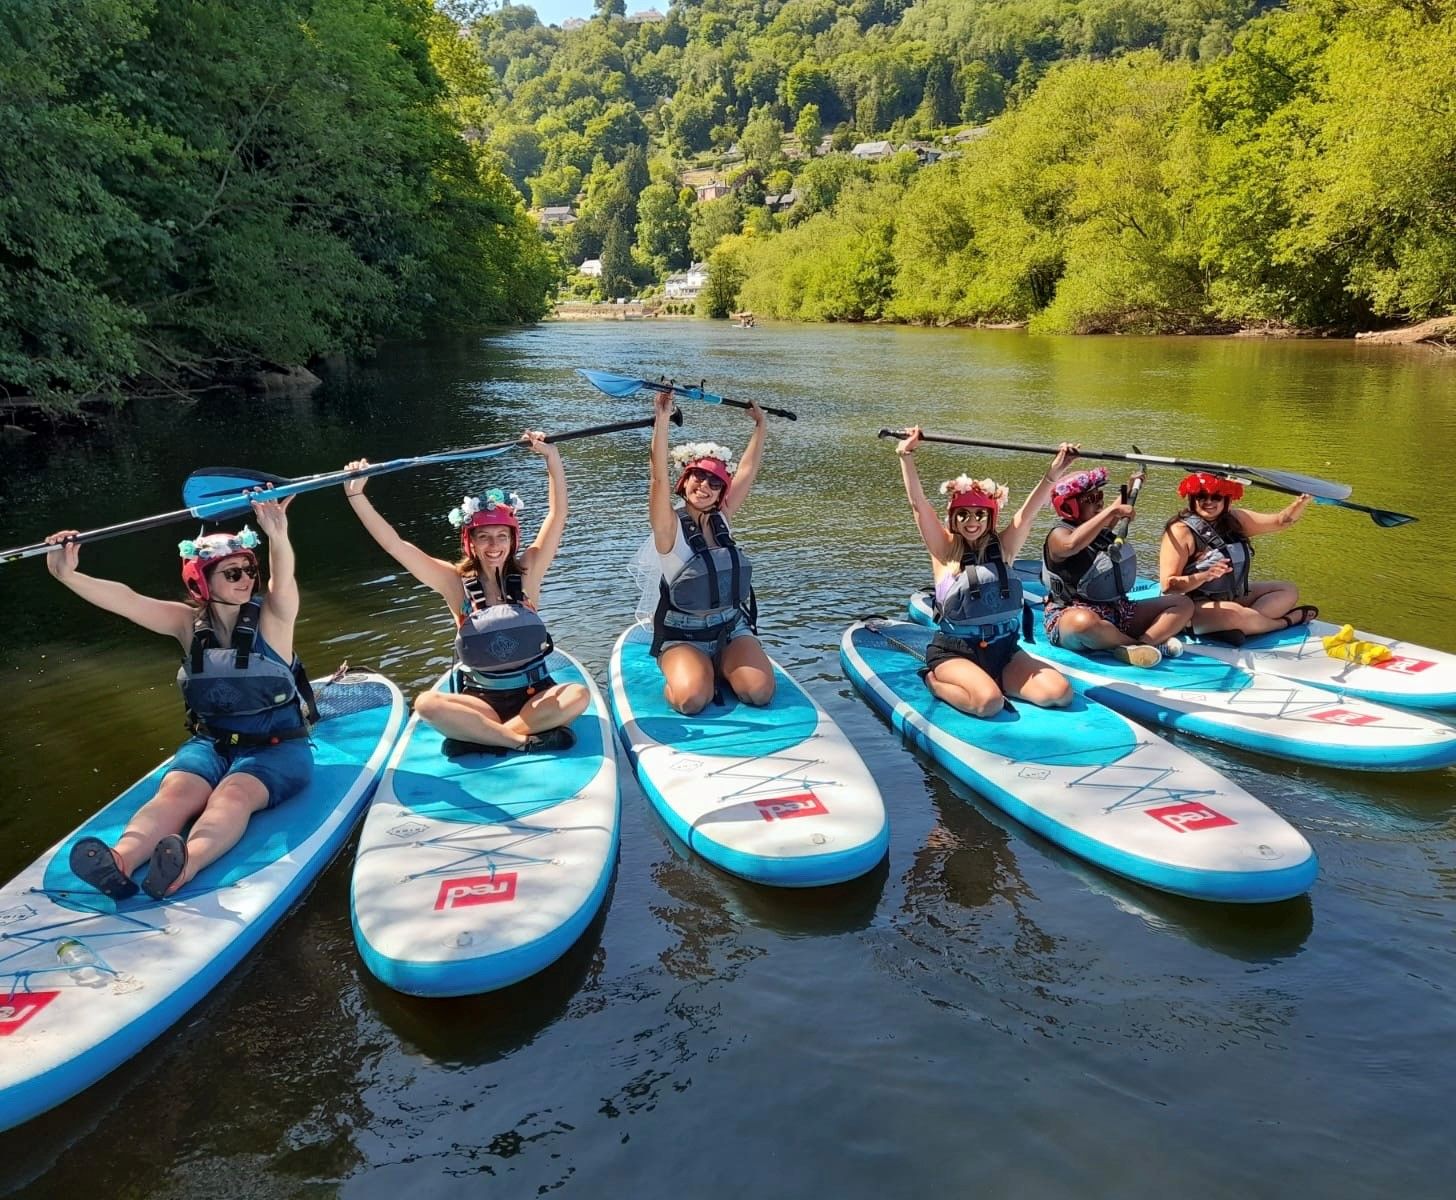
{"x": 937, "y": 541}
{"x": 435, "y": 573}
{"x": 659, "y": 488}
{"x": 281, "y": 611}
{"x": 1014, "y": 536}
{"x": 169, "y": 617}
{"x": 540, "y": 553}
{"x": 748, "y": 464}
{"x": 1255, "y": 523}
{"x": 1063, "y": 543}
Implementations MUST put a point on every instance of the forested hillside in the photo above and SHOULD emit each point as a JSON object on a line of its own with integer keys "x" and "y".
{"x": 192, "y": 189}
{"x": 1151, "y": 165}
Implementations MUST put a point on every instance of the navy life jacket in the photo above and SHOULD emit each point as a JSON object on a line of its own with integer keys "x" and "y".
{"x": 236, "y": 693}
{"x": 985, "y": 603}
{"x": 1101, "y": 573}
{"x": 712, "y": 593}
{"x": 500, "y": 647}
{"x": 1210, "y": 548}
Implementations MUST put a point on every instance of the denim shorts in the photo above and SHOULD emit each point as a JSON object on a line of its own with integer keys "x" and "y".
{"x": 283, "y": 769}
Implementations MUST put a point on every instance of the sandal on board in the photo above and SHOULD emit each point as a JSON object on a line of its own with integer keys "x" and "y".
{"x": 93, "y": 862}
{"x": 1301, "y": 614}
{"x": 169, "y": 860}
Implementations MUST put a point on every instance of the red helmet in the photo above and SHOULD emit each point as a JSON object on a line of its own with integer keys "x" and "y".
{"x": 494, "y": 508}
{"x": 202, "y": 554}
{"x": 1204, "y": 483}
{"x": 966, "y": 492}
{"x": 1067, "y": 493}
{"x": 708, "y": 457}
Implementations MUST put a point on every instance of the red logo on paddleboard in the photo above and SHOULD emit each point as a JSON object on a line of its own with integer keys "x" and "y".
{"x": 1405, "y": 666}
{"x": 1190, "y": 818}
{"x": 1343, "y": 716}
{"x": 781, "y": 808}
{"x": 478, "y": 889}
{"x": 16, "y": 1010}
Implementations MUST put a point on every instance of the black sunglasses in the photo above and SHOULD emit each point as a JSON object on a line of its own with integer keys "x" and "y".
{"x": 233, "y": 574}
{"x": 706, "y": 477}
{"x": 965, "y": 513}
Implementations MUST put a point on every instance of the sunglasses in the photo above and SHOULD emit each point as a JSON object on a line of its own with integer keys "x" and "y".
{"x": 965, "y": 514}
{"x": 712, "y": 481}
{"x": 233, "y": 574}
{"x": 1090, "y": 497}
{"x": 1205, "y": 498}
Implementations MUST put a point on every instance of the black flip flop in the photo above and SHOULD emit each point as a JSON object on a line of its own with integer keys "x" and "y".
{"x": 1305, "y": 612}
{"x": 169, "y": 860}
{"x": 92, "y": 862}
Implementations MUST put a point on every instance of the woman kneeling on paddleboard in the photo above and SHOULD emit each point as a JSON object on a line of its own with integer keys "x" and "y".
{"x": 706, "y": 616}
{"x": 1088, "y": 570}
{"x": 247, "y": 696}
{"x": 1206, "y": 556}
{"x": 503, "y": 696}
{"x": 975, "y": 661}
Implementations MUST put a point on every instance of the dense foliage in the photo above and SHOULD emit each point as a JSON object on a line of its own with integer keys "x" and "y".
{"x": 192, "y": 188}
{"x": 1146, "y": 165}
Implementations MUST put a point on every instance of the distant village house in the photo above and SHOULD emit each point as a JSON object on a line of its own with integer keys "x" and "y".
{"x": 714, "y": 189}
{"x": 687, "y": 284}
{"x": 872, "y": 151}
{"x": 591, "y": 268}
{"x": 556, "y": 214}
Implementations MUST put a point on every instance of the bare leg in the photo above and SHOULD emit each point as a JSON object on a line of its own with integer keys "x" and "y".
{"x": 467, "y": 718}
{"x": 963, "y": 685}
{"x": 689, "y": 678}
{"x": 1082, "y": 629}
{"x": 1155, "y": 621}
{"x": 748, "y": 671}
{"x": 222, "y": 822}
{"x": 180, "y": 798}
{"x": 1261, "y": 610}
{"x": 556, "y": 706}
{"x": 1035, "y": 682}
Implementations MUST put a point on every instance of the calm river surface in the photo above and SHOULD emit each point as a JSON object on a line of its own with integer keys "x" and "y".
{"x": 981, "y": 1016}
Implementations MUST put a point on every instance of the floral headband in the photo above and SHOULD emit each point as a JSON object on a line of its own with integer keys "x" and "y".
{"x": 493, "y": 499}
{"x": 997, "y": 493}
{"x": 1082, "y": 481}
{"x": 692, "y": 451}
{"x": 207, "y": 546}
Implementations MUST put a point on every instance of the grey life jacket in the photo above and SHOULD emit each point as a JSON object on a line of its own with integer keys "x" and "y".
{"x": 500, "y": 646}
{"x": 984, "y": 603}
{"x": 237, "y": 689}
{"x": 1100, "y": 573}
{"x": 712, "y": 593}
{"x": 1211, "y": 548}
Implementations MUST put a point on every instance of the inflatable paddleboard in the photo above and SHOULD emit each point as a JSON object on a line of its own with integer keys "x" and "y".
{"x": 1229, "y": 704}
{"x": 1413, "y": 676}
{"x": 87, "y": 982}
{"x": 477, "y": 870}
{"x": 776, "y": 794}
{"x": 1090, "y": 781}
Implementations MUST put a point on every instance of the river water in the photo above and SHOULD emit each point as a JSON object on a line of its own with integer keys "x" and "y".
{"x": 981, "y": 1016}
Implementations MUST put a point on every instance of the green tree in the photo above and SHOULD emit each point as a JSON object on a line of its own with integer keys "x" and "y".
{"x": 719, "y": 296}
{"x": 809, "y": 129}
{"x": 762, "y": 140}
{"x": 711, "y": 223}
{"x": 617, "y": 260}
{"x": 662, "y": 227}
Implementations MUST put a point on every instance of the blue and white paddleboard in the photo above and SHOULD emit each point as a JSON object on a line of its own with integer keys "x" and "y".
{"x": 775, "y": 794}
{"x": 1090, "y": 781}
{"x": 1413, "y": 676}
{"x": 1227, "y": 703}
{"x": 65, "y": 1025}
{"x": 478, "y": 870}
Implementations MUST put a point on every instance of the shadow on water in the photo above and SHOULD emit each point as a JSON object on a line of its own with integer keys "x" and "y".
{"x": 465, "y": 1031}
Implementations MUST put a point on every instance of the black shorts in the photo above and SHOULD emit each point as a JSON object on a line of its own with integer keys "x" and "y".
{"x": 508, "y": 702}
{"x": 993, "y": 658}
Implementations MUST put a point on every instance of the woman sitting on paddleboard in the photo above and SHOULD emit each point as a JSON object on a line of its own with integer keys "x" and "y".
{"x": 1089, "y": 570}
{"x": 704, "y": 623}
{"x": 975, "y": 661}
{"x": 1206, "y": 556}
{"x": 503, "y": 695}
{"x": 247, "y": 701}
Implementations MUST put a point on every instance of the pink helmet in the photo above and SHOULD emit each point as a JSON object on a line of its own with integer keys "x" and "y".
{"x": 707, "y": 457}
{"x": 494, "y": 508}
{"x": 201, "y": 554}
{"x": 1067, "y": 493}
{"x": 965, "y": 492}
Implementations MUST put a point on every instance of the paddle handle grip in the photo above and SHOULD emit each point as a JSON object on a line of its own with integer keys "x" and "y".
{"x": 768, "y": 408}
{"x": 36, "y": 549}
{"x": 1132, "y": 498}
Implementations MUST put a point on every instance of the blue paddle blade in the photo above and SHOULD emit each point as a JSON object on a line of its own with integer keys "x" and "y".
{"x": 219, "y": 490}
{"x": 612, "y": 384}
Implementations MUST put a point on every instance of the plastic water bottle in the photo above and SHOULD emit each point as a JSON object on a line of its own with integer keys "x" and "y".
{"x": 82, "y": 962}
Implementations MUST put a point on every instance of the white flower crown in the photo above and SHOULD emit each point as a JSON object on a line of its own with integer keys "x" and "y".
{"x": 692, "y": 451}
{"x": 494, "y": 498}
{"x": 998, "y": 492}
{"x": 207, "y": 546}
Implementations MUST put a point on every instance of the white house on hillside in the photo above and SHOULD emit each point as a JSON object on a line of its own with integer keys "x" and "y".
{"x": 592, "y": 267}
{"x": 687, "y": 284}
{"x": 872, "y": 151}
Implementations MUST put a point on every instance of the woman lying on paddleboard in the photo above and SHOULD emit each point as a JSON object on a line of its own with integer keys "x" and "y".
{"x": 1206, "y": 556}
{"x": 246, "y": 697}
{"x": 974, "y": 662}
{"x": 704, "y": 623}
{"x": 1089, "y": 571}
{"x": 503, "y": 695}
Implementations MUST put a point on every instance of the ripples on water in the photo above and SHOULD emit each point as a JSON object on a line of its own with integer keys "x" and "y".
{"x": 982, "y": 1015}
